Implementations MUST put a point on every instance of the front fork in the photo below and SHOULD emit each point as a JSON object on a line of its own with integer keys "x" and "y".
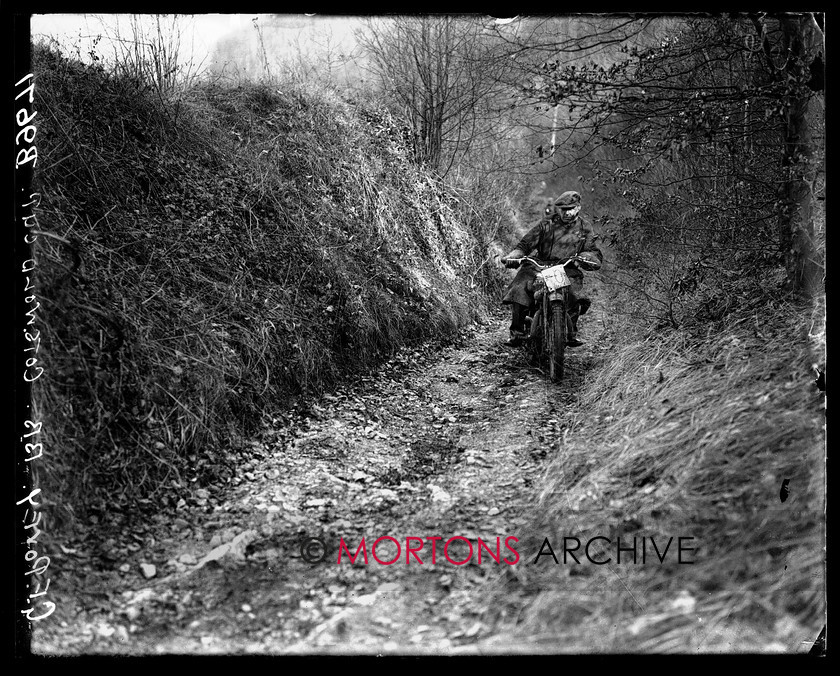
{"x": 539, "y": 327}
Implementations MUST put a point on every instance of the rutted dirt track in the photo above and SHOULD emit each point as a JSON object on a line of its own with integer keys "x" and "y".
{"x": 439, "y": 442}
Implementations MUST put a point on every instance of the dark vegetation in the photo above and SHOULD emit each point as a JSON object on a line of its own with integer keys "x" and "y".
{"x": 208, "y": 260}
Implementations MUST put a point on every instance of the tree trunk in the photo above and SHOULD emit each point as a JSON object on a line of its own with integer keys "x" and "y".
{"x": 796, "y": 224}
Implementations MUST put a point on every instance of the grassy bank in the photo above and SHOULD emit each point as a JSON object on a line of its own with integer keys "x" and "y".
{"x": 691, "y": 433}
{"x": 208, "y": 260}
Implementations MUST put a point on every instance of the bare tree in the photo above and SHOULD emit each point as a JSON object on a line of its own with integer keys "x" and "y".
{"x": 802, "y": 44}
{"x": 154, "y": 49}
{"x": 443, "y": 73}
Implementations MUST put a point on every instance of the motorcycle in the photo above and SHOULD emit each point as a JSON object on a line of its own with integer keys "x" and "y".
{"x": 550, "y": 325}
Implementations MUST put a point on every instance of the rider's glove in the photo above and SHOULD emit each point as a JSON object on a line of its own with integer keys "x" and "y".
{"x": 587, "y": 261}
{"x": 510, "y": 261}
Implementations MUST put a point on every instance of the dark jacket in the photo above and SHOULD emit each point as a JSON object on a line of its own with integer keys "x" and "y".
{"x": 551, "y": 240}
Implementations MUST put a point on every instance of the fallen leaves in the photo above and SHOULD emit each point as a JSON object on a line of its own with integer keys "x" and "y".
{"x": 416, "y": 445}
{"x": 439, "y": 495}
{"x": 233, "y": 550}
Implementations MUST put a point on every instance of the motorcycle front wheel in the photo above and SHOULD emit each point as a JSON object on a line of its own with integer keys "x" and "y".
{"x": 556, "y": 338}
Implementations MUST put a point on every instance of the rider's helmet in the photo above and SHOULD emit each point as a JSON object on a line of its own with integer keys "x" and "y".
{"x": 568, "y": 205}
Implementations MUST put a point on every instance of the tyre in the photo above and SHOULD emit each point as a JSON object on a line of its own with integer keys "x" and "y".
{"x": 556, "y": 339}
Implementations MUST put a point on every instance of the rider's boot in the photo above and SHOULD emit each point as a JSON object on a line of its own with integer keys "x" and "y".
{"x": 583, "y": 305}
{"x": 518, "y": 324}
{"x": 516, "y": 339}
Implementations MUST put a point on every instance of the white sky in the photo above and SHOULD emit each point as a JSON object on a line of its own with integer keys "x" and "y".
{"x": 200, "y": 33}
{"x": 67, "y": 28}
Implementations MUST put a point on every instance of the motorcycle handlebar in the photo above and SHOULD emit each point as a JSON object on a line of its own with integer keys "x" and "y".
{"x": 516, "y": 262}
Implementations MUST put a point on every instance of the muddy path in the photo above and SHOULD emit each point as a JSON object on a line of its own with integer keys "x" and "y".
{"x": 440, "y": 442}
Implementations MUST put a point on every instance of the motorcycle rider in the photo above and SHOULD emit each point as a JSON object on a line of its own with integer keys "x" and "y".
{"x": 559, "y": 235}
